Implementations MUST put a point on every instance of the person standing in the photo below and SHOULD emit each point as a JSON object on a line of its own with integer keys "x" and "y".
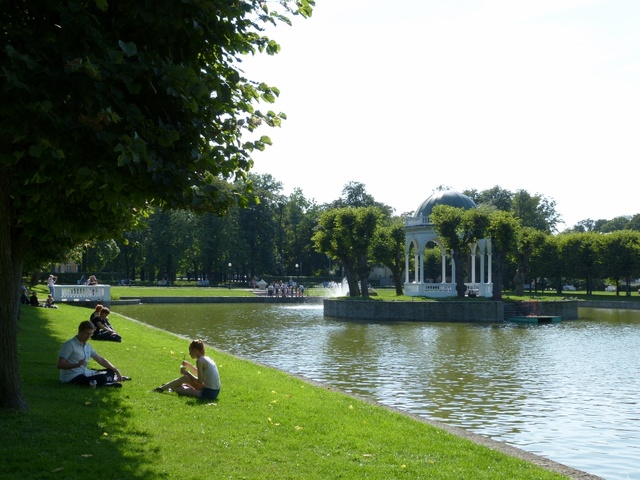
{"x": 74, "y": 357}
{"x": 51, "y": 281}
{"x": 202, "y": 381}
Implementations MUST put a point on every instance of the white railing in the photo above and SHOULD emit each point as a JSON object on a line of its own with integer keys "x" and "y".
{"x": 439, "y": 290}
{"x": 82, "y": 293}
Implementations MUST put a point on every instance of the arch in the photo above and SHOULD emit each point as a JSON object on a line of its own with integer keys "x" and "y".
{"x": 419, "y": 231}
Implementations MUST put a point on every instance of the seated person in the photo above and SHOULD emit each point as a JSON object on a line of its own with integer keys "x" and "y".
{"x": 92, "y": 280}
{"x": 24, "y": 299}
{"x": 96, "y": 312}
{"x": 33, "y": 300}
{"x": 201, "y": 380}
{"x": 73, "y": 358}
{"x": 50, "y": 302}
{"x": 103, "y": 329}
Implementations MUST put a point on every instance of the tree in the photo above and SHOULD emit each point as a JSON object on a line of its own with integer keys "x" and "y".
{"x": 529, "y": 240}
{"x": 388, "y": 248}
{"x": 620, "y": 254}
{"x": 346, "y": 234}
{"x": 535, "y": 211}
{"x": 503, "y": 230}
{"x": 497, "y": 197}
{"x": 580, "y": 252}
{"x": 458, "y": 229}
{"x": 110, "y": 108}
{"x": 354, "y": 194}
{"x": 615, "y": 224}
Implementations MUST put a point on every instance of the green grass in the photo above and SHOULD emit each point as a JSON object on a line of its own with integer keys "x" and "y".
{"x": 136, "y": 292}
{"x": 265, "y": 424}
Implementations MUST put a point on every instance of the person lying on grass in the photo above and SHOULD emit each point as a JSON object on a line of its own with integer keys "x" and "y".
{"x": 202, "y": 381}
{"x": 74, "y": 356}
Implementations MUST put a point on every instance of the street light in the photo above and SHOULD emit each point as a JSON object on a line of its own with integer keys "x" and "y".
{"x": 297, "y": 275}
{"x": 229, "y": 276}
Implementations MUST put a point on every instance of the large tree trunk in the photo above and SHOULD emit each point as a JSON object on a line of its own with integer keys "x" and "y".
{"x": 397, "y": 280}
{"x": 498, "y": 274}
{"x": 352, "y": 278}
{"x": 11, "y": 262}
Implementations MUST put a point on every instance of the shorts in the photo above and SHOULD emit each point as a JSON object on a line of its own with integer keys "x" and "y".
{"x": 209, "y": 393}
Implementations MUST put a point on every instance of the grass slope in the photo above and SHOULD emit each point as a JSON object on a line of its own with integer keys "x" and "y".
{"x": 265, "y": 425}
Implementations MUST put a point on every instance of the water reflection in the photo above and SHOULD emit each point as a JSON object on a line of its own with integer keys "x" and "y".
{"x": 566, "y": 391}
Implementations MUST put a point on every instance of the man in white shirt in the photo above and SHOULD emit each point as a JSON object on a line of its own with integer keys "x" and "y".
{"x": 74, "y": 357}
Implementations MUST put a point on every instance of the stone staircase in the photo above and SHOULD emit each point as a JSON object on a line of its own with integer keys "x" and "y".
{"x": 515, "y": 310}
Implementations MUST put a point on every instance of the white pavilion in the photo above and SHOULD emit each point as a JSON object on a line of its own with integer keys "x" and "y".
{"x": 419, "y": 231}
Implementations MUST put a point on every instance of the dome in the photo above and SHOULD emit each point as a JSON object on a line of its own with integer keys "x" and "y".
{"x": 446, "y": 197}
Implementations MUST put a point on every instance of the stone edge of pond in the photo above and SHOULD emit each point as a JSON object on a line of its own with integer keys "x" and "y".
{"x": 450, "y": 311}
{"x": 261, "y": 299}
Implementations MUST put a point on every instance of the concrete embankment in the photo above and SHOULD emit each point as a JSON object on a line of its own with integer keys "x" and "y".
{"x": 449, "y": 311}
{"x": 256, "y": 299}
{"x": 610, "y": 304}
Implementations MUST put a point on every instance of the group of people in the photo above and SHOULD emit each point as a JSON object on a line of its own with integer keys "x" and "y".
{"x": 282, "y": 289}
{"x": 27, "y": 298}
{"x": 201, "y": 380}
{"x": 103, "y": 329}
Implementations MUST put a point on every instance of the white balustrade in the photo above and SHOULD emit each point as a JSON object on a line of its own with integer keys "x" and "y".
{"x": 82, "y": 293}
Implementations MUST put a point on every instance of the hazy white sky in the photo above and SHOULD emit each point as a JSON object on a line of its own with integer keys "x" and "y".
{"x": 407, "y": 95}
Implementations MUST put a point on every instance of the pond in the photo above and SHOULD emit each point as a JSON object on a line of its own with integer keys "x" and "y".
{"x": 565, "y": 391}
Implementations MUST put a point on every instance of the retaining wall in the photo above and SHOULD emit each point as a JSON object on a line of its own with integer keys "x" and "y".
{"x": 261, "y": 299}
{"x": 610, "y": 304}
{"x": 466, "y": 311}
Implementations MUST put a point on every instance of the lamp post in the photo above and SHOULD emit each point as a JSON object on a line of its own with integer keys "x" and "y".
{"x": 229, "y": 276}
{"x": 297, "y": 275}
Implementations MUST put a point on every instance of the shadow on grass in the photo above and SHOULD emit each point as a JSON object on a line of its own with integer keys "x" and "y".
{"x": 68, "y": 431}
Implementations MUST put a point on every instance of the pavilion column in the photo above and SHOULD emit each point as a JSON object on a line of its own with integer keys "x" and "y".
{"x": 406, "y": 264}
{"x": 444, "y": 266}
{"x": 416, "y": 266}
{"x": 473, "y": 265}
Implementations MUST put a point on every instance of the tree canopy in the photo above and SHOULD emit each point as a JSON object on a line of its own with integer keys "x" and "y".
{"x": 112, "y": 107}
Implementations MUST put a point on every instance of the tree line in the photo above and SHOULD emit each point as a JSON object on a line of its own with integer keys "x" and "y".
{"x": 292, "y": 236}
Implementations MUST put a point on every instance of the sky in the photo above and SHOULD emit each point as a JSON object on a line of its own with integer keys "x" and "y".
{"x": 405, "y": 96}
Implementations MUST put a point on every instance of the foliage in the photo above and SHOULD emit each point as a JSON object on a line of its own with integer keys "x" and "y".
{"x": 458, "y": 229}
{"x": 346, "y": 234}
{"x": 503, "y": 230}
{"x": 388, "y": 248}
{"x": 354, "y": 195}
{"x": 620, "y": 257}
{"x": 535, "y": 211}
{"x": 529, "y": 239}
{"x": 112, "y": 108}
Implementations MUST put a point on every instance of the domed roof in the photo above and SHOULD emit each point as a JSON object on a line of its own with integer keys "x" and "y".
{"x": 446, "y": 197}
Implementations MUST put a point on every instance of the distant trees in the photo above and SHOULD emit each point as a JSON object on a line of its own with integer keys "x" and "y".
{"x": 274, "y": 234}
{"x": 535, "y": 211}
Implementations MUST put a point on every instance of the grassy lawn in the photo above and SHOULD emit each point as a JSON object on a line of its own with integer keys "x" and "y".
{"x": 265, "y": 424}
{"x": 388, "y": 294}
